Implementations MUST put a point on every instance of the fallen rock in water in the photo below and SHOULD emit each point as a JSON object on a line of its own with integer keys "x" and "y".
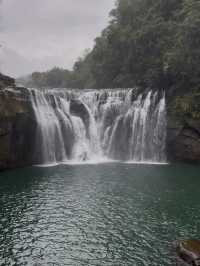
{"x": 188, "y": 252}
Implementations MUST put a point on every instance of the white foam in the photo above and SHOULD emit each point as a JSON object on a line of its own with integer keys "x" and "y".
{"x": 46, "y": 165}
{"x": 88, "y": 162}
{"x": 99, "y": 161}
{"x": 146, "y": 162}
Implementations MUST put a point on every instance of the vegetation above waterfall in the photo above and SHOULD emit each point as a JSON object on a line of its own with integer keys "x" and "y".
{"x": 148, "y": 43}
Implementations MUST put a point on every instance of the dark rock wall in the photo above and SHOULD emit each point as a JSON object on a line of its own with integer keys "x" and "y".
{"x": 183, "y": 141}
{"x": 183, "y": 126}
{"x": 17, "y": 130}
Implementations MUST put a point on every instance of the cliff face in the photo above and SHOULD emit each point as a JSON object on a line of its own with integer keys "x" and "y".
{"x": 183, "y": 131}
{"x": 183, "y": 141}
{"x": 17, "y": 127}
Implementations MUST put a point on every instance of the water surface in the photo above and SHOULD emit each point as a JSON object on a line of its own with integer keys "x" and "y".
{"x": 107, "y": 214}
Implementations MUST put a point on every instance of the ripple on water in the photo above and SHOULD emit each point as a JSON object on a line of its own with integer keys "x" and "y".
{"x": 111, "y": 214}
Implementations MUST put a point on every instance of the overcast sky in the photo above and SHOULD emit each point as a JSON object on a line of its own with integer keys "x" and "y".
{"x": 41, "y": 34}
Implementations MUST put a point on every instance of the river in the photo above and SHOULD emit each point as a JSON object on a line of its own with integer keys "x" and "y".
{"x": 109, "y": 214}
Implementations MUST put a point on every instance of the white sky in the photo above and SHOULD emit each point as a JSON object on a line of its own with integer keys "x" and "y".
{"x": 41, "y": 34}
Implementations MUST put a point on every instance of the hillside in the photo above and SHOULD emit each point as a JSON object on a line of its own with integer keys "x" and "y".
{"x": 148, "y": 43}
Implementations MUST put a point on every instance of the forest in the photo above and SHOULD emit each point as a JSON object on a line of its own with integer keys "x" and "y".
{"x": 148, "y": 43}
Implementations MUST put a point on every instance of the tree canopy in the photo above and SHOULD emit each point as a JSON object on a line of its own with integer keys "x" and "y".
{"x": 148, "y": 43}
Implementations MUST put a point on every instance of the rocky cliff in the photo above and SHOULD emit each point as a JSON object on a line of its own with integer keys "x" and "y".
{"x": 17, "y": 126}
{"x": 183, "y": 127}
{"x": 6, "y": 81}
{"x": 183, "y": 141}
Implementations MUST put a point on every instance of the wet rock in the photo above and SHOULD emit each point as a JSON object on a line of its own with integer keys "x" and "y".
{"x": 188, "y": 252}
{"x": 77, "y": 108}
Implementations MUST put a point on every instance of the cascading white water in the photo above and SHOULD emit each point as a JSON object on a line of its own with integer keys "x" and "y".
{"x": 95, "y": 125}
{"x": 49, "y": 137}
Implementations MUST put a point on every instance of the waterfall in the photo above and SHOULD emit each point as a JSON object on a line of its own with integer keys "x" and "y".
{"x": 98, "y": 125}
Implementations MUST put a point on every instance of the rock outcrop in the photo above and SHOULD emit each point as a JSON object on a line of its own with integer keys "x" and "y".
{"x": 6, "y": 81}
{"x": 77, "y": 108}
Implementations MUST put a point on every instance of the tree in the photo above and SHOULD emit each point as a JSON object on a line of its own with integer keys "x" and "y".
{"x": 148, "y": 43}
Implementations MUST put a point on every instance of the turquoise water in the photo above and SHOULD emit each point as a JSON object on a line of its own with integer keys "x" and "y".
{"x": 107, "y": 214}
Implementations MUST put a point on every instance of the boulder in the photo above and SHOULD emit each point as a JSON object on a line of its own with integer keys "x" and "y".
{"x": 188, "y": 252}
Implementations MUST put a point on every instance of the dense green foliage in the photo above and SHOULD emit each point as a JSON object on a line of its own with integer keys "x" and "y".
{"x": 148, "y": 43}
{"x": 55, "y": 78}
